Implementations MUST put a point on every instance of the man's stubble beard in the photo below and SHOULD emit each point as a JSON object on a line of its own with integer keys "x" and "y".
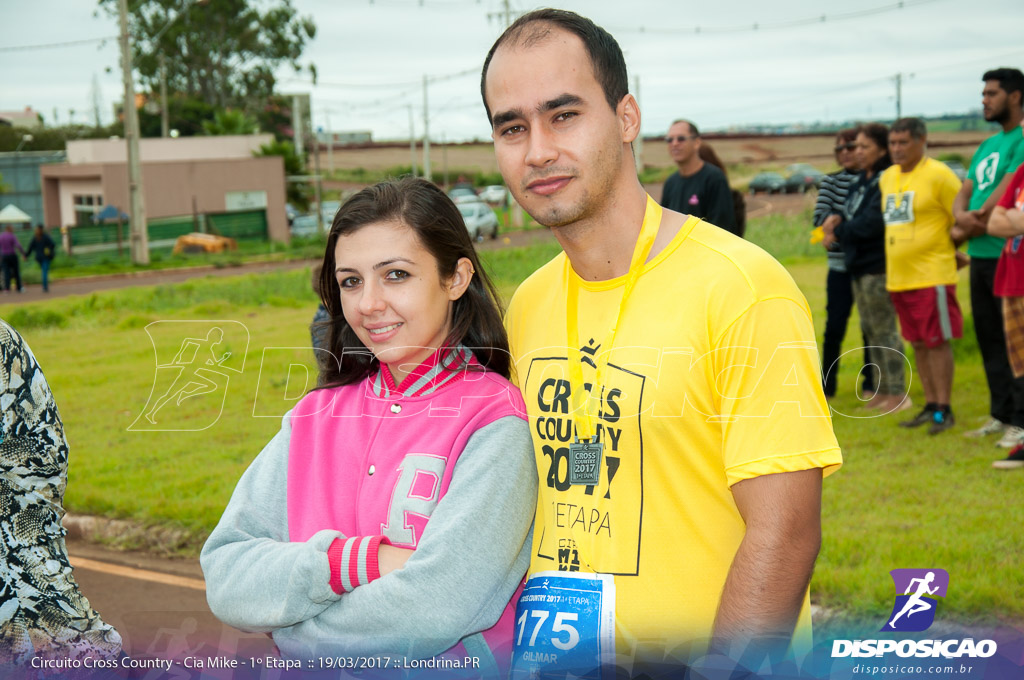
{"x": 588, "y": 205}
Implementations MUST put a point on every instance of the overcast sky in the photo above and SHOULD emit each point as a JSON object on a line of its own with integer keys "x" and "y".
{"x": 372, "y": 56}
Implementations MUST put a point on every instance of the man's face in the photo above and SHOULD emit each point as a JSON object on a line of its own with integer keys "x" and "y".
{"x": 995, "y": 105}
{"x": 904, "y": 149}
{"x": 682, "y": 143}
{"x": 559, "y": 145}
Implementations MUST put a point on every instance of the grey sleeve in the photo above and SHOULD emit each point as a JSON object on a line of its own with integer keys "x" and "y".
{"x": 468, "y": 564}
{"x": 257, "y": 580}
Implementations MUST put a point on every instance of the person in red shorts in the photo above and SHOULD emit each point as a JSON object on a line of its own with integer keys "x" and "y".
{"x": 1007, "y": 221}
{"x": 921, "y": 267}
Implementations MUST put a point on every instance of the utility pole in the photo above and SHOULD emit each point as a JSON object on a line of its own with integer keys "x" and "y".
{"x": 444, "y": 160}
{"x": 638, "y": 144}
{"x": 165, "y": 124}
{"x": 505, "y": 15}
{"x": 318, "y": 186}
{"x": 137, "y": 207}
{"x": 899, "y": 95}
{"x": 426, "y": 133}
{"x": 297, "y": 133}
{"x": 412, "y": 142}
{"x": 330, "y": 144}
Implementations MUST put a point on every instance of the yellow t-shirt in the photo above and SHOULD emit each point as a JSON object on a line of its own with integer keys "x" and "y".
{"x": 918, "y": 210}
{"x": 714, "y": 378}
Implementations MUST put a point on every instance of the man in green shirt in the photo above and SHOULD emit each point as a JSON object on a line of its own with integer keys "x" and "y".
{"x": 991, "y": 168}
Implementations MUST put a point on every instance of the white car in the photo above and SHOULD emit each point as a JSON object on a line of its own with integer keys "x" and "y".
{"x": 462, "y": 195}
{"x": 305, "y": 226}
{"x": 328, "y": 210}
{"x": 494, "y": 194}
{"x": 480, "y": 220}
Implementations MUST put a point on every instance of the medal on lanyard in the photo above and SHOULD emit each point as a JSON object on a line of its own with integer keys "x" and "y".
{"x": 585, "y": 452}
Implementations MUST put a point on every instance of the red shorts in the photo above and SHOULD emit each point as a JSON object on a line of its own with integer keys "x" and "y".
{"x": 929, "y": 315}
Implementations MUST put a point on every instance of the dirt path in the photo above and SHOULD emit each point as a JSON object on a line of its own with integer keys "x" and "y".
{"x": 757, "y": 206}
{"x": 93, "y": 284}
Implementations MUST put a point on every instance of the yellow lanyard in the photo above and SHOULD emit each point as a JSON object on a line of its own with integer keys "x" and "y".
{"x": 584, "y": 417}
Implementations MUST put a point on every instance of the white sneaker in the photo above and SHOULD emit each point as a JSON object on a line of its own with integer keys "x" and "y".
{"x": 993, "y": 426}
{"x": 1012, "y": 437}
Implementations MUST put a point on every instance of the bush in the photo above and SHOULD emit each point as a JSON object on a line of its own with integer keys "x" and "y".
{"x": 36, "y": 318}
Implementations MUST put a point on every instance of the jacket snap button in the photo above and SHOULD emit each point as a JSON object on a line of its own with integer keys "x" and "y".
{"x": 396, "y": 408}
{"x": 371, "y": 470}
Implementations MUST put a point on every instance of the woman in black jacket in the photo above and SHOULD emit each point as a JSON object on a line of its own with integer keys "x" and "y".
{"x": 861, "y": 233}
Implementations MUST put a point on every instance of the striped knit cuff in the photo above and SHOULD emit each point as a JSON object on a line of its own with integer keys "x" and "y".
{"x": 353, "y": 562}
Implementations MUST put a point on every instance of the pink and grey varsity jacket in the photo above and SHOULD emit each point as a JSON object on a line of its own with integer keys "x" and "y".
{"x": 442, "y": 464}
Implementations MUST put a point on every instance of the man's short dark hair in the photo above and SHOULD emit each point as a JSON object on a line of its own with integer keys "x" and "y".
{"x": 915, "y": 126}
{"x": 1010, "y": 80}
{"x": 693, "y": 128}
{"x": 605, "y": 54}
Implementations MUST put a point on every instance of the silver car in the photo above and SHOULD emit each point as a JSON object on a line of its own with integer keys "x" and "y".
{"x": 494, "y": 194}
{"x": 480, "y": 220}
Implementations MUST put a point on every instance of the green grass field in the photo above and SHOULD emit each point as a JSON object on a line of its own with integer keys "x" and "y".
{"x": 902, "y": 499}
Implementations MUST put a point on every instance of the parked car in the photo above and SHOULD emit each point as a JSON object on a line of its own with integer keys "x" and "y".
{"x": 480, "y": 220}
{"x": 768, "y": 182}
{"x": 803, "y": 180}
{"x": 958, "y": 168}
{"x": 494, "y": 194}
{"x": 462, "y": 195}
{"x": 797, "y": 167}
{"x": 305, "y": 226}
{"x": 328, "y": 210}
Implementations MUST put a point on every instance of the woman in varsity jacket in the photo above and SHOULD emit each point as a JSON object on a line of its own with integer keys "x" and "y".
{"x": 391, "y": 514}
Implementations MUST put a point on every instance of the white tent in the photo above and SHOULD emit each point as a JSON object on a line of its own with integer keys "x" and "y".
{"x": 13, "y": 213}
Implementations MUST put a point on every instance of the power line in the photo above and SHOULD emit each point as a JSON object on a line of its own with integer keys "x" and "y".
{"x": 385, "y": 86}
{"x": 354, "y": 86}
{"x": 46, "y": 46}
{"x": 758, "y": 26}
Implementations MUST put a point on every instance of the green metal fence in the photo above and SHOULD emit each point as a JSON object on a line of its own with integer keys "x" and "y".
{"x": 98, "y": 242}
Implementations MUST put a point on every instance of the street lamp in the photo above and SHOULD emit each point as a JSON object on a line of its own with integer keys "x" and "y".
{"x": 24, "y": 139}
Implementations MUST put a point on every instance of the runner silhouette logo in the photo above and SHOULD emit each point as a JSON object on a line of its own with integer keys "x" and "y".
{"x": 916, "y": 593}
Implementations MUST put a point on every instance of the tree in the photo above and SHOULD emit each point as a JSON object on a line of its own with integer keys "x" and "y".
{"x": 185, "y": 114}
{"x": 222, "y": 52}
{"x": 230, "y": 122}
{"x": 299, "y": 193}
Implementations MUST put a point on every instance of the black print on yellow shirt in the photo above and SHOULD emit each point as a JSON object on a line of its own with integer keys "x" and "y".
{"x": 607, "y": 526}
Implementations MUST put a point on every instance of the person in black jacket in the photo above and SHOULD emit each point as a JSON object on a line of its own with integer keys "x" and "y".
{"x": 44, "y": 249}
{"x": 860, "y": 231}
{"x": 838, "y": 282}
{"x": 699, "y": 189}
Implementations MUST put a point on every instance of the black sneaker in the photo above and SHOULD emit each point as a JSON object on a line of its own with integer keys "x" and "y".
{"x": 923, "y": 418}
{"x": 1013, "y": 461}
{"x": 941, "y": 421}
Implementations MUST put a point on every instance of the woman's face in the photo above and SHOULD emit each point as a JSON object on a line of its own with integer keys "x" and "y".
{"x": 845, "y": 154}
{"x": 867, "y": 152}
{"x": 393, "y": 296}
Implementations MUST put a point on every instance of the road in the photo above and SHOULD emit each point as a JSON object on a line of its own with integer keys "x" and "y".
{"x": 93, "y": 284}
{"x": 158, "y": 605}
{"x": 757, "y": 206}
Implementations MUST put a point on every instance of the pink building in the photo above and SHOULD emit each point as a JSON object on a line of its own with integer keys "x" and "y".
{"x": 181, "y": 177}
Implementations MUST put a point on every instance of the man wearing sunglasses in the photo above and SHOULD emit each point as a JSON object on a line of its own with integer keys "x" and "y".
{"x": 699, "y": 189}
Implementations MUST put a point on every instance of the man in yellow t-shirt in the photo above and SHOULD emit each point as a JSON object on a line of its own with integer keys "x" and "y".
{"x": 920, "y": 258}
{"x": 672, "y": 383}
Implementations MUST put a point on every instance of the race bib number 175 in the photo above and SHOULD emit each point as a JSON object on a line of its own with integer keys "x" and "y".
{"x": 565, "y": 623}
